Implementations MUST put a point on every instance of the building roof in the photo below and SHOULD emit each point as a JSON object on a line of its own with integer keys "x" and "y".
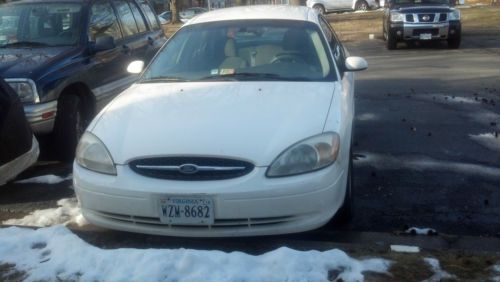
{"x": 258, "y": 12}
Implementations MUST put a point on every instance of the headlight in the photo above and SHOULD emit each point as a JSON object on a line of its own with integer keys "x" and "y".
{"x": 308, "y": 155}
{"x": 454, "y": 15}
{"x": 25, "y": 89}
{"x": 93, "y": 155}
{"x": 397, "y": 17}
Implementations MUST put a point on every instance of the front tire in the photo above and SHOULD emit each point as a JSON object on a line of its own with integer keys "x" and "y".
{"x": 391, "y": 42}
{"x": 454, "y": 43}
{"x": 69, "y": 126}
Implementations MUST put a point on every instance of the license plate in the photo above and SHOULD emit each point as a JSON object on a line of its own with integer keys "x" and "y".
{"x": 425, "y": 36}
{"x": 187, "y": 210}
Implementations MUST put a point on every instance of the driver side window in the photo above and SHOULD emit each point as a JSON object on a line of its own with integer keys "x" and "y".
{"x": 103, "y": 21}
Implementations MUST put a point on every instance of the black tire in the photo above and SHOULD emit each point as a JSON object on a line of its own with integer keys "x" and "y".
{"x": 454, "y": 43}
{"x": 69, "y": 126}
{"x": 320, "y": 8}
{"x": 391, "y": 42}
{"x": 362, "y": 5}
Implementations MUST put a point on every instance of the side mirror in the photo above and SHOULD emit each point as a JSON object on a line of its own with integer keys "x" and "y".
{"x": 135, "y": 67}
{"x": 355, "y": 64}
{"x": 104, "y": 42}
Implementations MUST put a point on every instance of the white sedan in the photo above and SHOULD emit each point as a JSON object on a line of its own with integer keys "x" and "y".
{"x": 240, "y": 126}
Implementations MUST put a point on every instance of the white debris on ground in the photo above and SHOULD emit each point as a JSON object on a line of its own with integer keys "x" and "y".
{"x": 45, "y": 179}
{"x": 420, "y": 231}
{"x": 68, "y": 212}
{"x": 367, "y": 117}
{"x": 488, "y": 140}
{"x": 423, "y": 163}
{"x": 405, "y": 249}
{"x": 496, "y": 269}
{"x": 55, "y": 253}
{"x": 439, "y": 274}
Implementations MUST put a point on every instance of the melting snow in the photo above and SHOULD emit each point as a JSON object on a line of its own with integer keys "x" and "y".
{"x": 422, "y": 163}
{"x": 420, "y": 231}
{"x": 45, "y": 179}
{"x": 55, "y": 253}
{"x": 68, "y": 212}
{"x": 439, "y": 274}
{"x": 488, "y": 140}
{"x": 405, "y": 249}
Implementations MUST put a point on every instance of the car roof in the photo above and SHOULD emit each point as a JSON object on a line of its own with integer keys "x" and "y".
{"x": 258, "y": 12}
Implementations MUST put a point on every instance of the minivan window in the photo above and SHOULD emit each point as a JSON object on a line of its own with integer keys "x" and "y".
{"x": 103, "y": 21}
{"x": 126, "y": 18}
{"x": 39, "y": 24}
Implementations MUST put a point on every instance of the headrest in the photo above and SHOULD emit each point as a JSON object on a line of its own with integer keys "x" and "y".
{"x": 229, "y": 49}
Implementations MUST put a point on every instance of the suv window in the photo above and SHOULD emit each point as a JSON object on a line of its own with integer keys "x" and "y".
{"x": 103, "y": 21}
{"x": 138, "y": 17}
{"x": 129, "y": 25}
{"x": 153, "y": 22}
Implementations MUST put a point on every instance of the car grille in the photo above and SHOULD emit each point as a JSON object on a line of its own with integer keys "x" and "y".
{"x": 433, "y": 31}
{"x": 218, "y": 223}
{"x": 191, "y": 168}
{"x": 443, "y": 17}
{"x": 426, "y": 18}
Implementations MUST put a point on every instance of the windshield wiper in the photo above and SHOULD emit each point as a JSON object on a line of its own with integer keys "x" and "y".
{"x": 25, "y": 44}
{"x": 244, "y": 75}
{"x": 165, "y": 79}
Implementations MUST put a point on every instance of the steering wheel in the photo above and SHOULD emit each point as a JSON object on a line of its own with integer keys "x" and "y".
{"x": 293, "y": 57}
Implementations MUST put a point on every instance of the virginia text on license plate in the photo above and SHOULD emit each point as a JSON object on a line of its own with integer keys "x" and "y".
{"x": 187, "y": 210}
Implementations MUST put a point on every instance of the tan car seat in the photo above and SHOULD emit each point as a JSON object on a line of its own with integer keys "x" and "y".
{"x": 232, "y": 61}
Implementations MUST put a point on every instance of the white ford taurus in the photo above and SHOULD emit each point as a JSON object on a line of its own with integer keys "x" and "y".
{"x": 240, "y": 126}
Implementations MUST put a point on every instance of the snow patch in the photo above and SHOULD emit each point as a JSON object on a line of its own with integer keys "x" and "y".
{"x": 366, "y": 117}
{"x": 54, "y": 253}
{"x": 405, "y": 249}
{"x": 68, "y": 212}
{"x": 488, "y": 140}
{"x": 45, "y": 179}
{"x": 439, "y": 274}
{"x": 423, "y": 163}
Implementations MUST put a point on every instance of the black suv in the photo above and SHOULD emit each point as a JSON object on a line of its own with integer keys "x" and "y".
{"x": 406, "y": 20}
{"x": 67, "y": 58}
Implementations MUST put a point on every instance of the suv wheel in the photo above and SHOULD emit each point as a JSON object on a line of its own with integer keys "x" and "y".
{"x": 69, "y": 126}
{"x": 361, "y": 5}
{"x": 454, "y": 43}
{"x": 319, "y": 8}
{"x": 391, "y": 42}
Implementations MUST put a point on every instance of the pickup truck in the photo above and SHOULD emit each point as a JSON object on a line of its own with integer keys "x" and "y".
{"x": 421, "y": 20}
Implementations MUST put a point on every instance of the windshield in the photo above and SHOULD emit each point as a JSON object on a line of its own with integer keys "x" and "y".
{"x": 421, "y": 2}
{"x": 244, "y": 50}
{"x": 39, "y": 24}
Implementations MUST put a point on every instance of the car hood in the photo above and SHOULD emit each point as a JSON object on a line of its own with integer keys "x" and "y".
{"x": 424, "y": 9}
{"x": 253, "y": 121}
{"x": 30, "y": 62}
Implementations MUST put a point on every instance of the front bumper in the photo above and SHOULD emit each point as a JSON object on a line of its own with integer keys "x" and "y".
{"x": 41, "y": 116}
{"x": 438, "y": 31}
{"x": 250, "y": 205}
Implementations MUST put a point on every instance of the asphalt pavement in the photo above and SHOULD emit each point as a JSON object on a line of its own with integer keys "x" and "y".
{"x": 425, "y": 148}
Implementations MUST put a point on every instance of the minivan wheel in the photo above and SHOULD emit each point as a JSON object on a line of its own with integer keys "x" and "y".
{"x": 361, "y": 5}
{"x": 69, "y": 126}
{"x": 319, "y": 8}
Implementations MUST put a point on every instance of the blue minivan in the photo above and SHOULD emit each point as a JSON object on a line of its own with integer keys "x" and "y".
{"x": 67, "y": 58}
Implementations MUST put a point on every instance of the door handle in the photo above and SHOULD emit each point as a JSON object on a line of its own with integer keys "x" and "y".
{"x": 126, "y": 49}
{"x": 151, "y": 41}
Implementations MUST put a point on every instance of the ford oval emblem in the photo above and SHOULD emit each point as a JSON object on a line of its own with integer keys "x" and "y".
{"x": 426, "y": 18}
{"x": 188, "y": 169}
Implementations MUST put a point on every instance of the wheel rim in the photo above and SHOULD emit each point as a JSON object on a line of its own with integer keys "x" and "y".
{"x": 319, "y": 9}
{"x": 363, "y": 6}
